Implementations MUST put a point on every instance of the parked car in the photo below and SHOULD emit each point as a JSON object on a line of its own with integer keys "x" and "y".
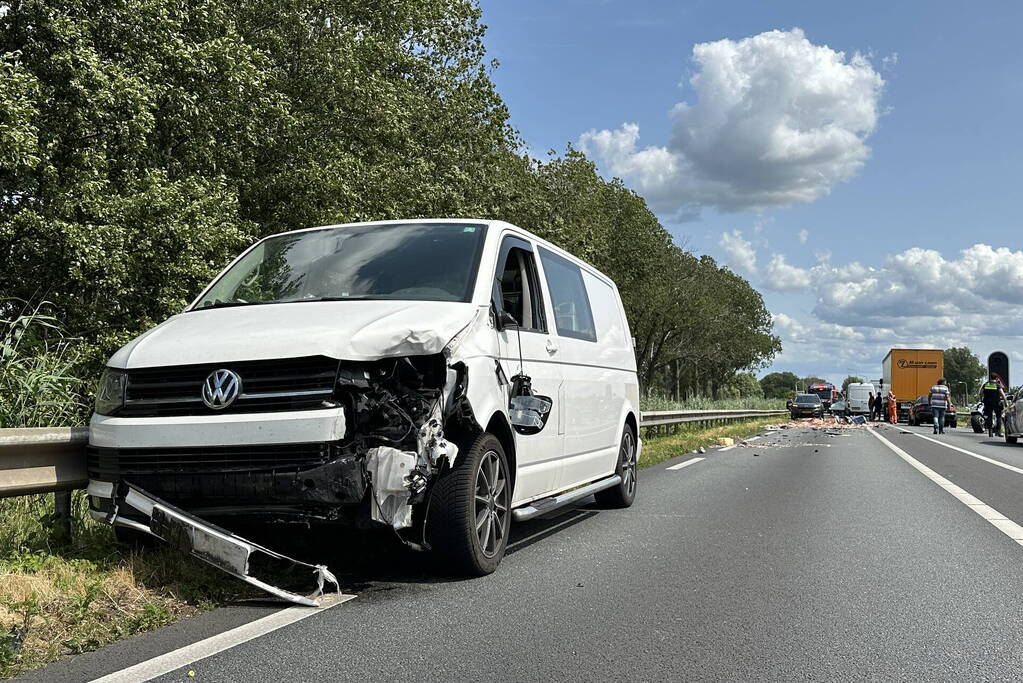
{"x": 440, "y": 377}
{"x": 807, "y": 405}
{"x": 840, "y": 407}
{"x": 1012, "y": 424}
{"x": 920, "y": 413}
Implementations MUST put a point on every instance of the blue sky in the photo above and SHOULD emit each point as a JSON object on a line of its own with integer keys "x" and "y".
{"x": 897, "y": 160}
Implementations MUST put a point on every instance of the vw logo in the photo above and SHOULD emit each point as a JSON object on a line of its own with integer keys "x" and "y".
{"x": 220, "y": 389}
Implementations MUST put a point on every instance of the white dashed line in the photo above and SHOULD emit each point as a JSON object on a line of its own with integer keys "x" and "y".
{"x": 753, "y": 438}
{"x": 726, "y": 448}
{"x": 687, "y": 463}
{"x": 994, "y": 517}
{"x": 171, "y": 661}
{"x": 971, "y": 453}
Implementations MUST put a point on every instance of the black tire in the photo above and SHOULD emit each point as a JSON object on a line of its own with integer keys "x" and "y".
{"x": 622, "y": 495}
{"x": 1010, "y": 439}
{"x": 454, "y": 526}
{"x": 977, "y": 423}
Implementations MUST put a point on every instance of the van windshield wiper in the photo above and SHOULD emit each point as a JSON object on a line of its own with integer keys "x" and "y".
{"x": 225, "y": 304}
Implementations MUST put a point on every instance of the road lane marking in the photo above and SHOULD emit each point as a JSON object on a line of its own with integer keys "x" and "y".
{"x": 994, "y": 517}
{"x": 726, "y": 448}
{"x": 687, "y": 463}
{"x": 753, "y": 438}
{"x": 1017, "y": 470}
{"x": 189, "y": 654}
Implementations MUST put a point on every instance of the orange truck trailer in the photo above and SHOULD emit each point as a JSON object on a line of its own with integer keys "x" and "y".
{"x": 909, "y": 373}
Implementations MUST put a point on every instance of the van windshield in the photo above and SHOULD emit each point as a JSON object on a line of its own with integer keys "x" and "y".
{"x": 408, "y": 261}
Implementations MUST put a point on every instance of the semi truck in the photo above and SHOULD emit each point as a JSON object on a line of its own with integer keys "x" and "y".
{"x": 909, "y": 373}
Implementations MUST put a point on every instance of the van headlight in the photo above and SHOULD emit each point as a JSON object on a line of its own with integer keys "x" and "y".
{"x": 110, "y": 391}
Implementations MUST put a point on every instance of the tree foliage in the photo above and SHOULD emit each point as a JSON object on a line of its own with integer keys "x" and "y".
{"x": 144, "y": 143}
{"x": 962, "y": 366}
{"x": 851, "y": 379}
{"x": 780, "y": 384}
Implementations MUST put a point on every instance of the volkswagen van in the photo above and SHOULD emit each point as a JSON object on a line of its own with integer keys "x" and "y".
{"x": 439, "y": 377}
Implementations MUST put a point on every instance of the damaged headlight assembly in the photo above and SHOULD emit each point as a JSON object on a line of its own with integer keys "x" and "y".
{"x": 110, "y": 391}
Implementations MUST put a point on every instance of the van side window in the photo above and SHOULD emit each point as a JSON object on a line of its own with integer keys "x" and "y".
{"x": 572, "y": 314}
{"x": 517, "y": 287}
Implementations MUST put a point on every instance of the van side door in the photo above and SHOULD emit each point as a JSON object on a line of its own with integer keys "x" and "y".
{"x": 517, "y": 290}
{"x": 591, "y": 341}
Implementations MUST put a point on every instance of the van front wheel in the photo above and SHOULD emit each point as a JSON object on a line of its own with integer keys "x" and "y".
{"x": 469, "y": 511}
{"x": 622, "y": 495}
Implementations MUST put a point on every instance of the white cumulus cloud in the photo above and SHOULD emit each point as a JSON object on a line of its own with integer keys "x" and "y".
{"x": 776, "y": 120}
{"x": 740, "y": 252}
{"x": 782, "y": 277}
{"x": 804, "y": 236}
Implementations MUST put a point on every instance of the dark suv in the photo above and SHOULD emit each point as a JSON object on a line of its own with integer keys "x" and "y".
{"x": 807, "y": 405}
{"x": 920, "y": 413}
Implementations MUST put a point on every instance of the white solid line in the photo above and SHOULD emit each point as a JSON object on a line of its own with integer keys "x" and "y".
{"x": 165, "y": 663}
{"x": 994, "y": 517}
{"x": 687, "y": 463}
{"x": 1017, "y": 470}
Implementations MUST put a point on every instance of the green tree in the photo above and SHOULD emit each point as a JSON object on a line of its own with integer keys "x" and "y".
{"x": 851, "y": 379}
{"x": 743, "y": 385}
{"x": 779, "y": 384}
{"x": 963, "y": 371}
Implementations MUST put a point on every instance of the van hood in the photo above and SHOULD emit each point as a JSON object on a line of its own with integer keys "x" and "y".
{"x": 349, "y": 330}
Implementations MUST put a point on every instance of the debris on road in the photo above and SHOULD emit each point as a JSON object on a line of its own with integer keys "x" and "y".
{"x": 726, "y": 441}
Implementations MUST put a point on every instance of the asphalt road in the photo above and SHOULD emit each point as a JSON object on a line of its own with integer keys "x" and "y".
{"x": 802, "y": 555}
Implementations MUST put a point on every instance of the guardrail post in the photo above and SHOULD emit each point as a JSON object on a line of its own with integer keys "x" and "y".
{"x": 62, "y": 516}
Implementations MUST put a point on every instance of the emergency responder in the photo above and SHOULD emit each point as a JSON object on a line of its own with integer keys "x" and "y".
{"x": 893, "y": 415}
{"x": 994, "y": 398}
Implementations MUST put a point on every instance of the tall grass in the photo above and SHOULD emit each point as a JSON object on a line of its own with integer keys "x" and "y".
{"x": 38, "y": 387}
{"x": 655, "y": 402}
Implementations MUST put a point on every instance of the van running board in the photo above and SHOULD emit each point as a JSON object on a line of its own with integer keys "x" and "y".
{"x": 544, "y": 505}
{"x": 219, "y": 547}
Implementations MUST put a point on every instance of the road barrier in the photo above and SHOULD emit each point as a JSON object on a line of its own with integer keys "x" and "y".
{"x": 667, "y": 418}
{"x": 52, "y": 459}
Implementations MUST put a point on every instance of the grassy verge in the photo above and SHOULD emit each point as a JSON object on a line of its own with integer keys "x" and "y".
{"x": 57, "y": 600}
{"x": 660, "y": 448}
{"x": 650, "y": 403}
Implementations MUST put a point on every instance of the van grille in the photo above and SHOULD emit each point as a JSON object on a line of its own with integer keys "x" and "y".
{"x": 110, "y": 463}
{"x": 267, "y": 386}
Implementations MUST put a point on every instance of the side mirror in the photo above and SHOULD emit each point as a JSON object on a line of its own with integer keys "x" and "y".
{"x": 506, "y": 319}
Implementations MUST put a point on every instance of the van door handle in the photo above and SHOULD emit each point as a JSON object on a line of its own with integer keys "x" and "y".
{"x": 552, "y": 348}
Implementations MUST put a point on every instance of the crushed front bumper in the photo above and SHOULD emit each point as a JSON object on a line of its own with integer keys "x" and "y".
{"x": 240, "y": 558}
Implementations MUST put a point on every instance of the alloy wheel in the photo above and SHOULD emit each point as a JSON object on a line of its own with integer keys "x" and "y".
{"x": 490, "y": 505}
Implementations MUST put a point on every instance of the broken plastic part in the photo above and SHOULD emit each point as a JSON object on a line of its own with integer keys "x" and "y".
{"x": 527, "y": 411}
{"x": 390, "y": 471}
{"x": 217, "y": 546}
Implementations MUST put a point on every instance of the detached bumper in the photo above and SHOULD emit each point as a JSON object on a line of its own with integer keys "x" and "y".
{"x": 242, "y": 559}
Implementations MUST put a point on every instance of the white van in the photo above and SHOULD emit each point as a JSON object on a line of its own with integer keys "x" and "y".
{"x": 441, "y": 377}
{"x": 858, "y": 398}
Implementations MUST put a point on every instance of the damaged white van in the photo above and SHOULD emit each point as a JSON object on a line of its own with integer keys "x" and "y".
{"x": 441, "y": 377}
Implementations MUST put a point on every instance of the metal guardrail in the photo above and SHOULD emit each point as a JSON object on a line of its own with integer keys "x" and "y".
{"x": 44, "y": 460}
{"x": 52, "y": 459}
{"x": 663, "y": 418}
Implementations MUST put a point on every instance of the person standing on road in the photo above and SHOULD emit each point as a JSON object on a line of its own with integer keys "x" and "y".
{"x": 994, "y": 398}
{"x": 871, "y": 406}
{"x": 893, "y": 416}
{"x": 940, "y": 400}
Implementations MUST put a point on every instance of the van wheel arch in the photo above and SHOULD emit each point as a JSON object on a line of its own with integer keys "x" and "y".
{"x": 500, "y": 428}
